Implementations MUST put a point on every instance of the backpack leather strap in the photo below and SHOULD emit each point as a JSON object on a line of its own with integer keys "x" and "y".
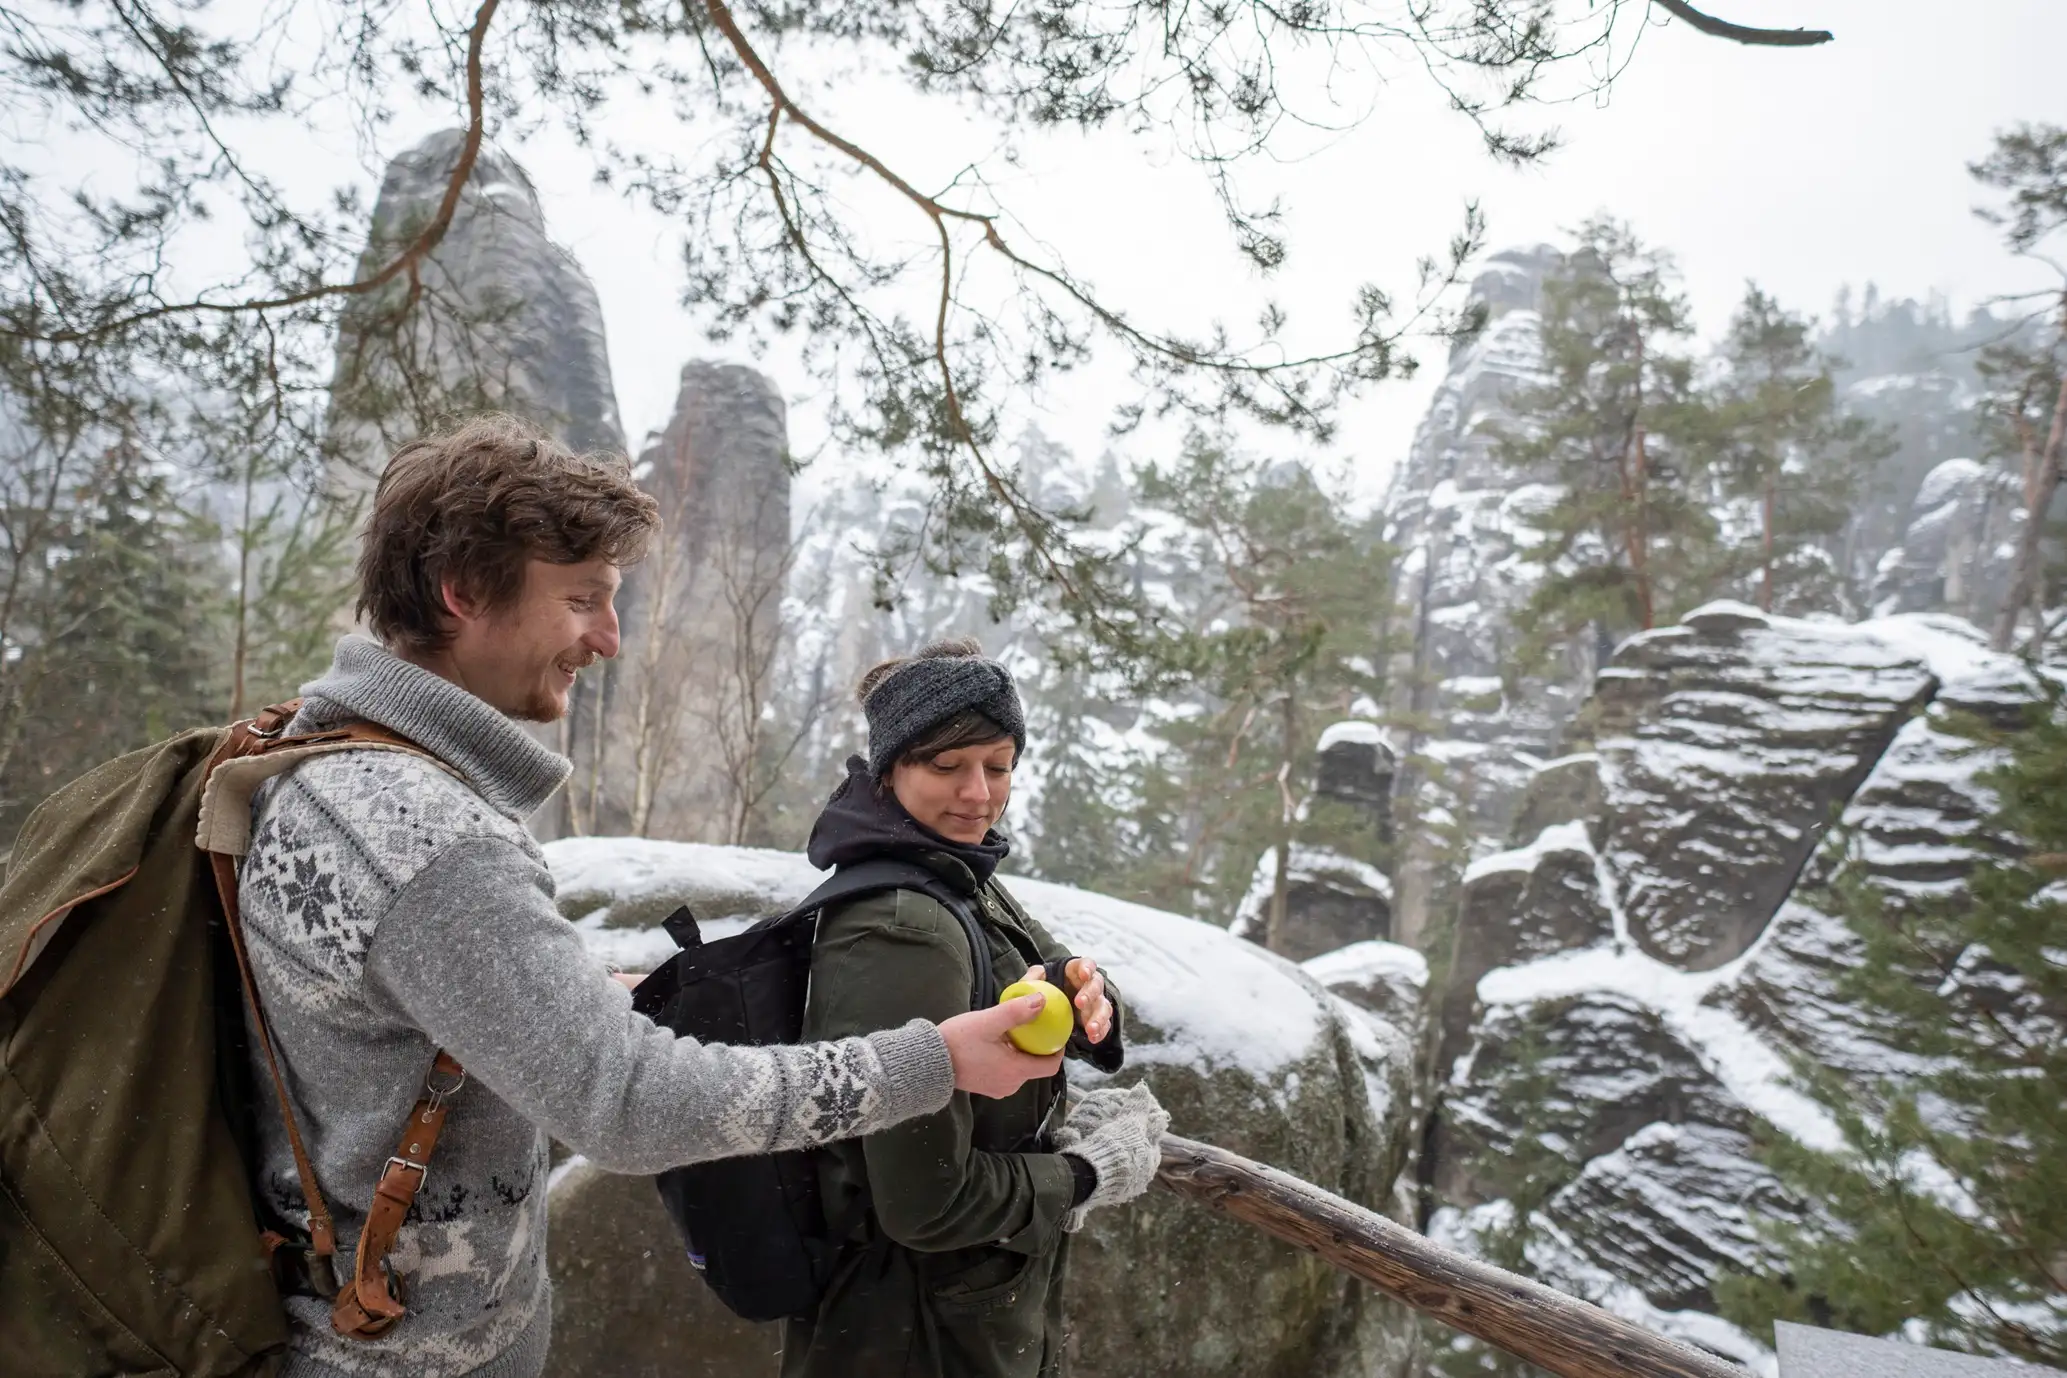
{"x": 370, "y": 1302}
{"x": 377, "y": 1305}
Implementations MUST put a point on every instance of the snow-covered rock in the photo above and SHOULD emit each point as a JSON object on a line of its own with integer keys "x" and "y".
{"x": 1459, "y": 519}
{"x": 1958, "y": 545}
{"x": 703, "y": 613}
{"x": 1246, "y": 1050}
{"x": 1631, "y": 986}
{"x": 1331, "y": 901}
{"x": 1724, "y": 745}
{"x": 1388, "y": 980}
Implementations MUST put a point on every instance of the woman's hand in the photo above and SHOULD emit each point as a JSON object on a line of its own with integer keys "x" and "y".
{"x": 1085, "y": 984}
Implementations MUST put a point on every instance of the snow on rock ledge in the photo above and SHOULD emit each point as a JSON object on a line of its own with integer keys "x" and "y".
{"x": 1245, "y": 1049}
{"x": 1633, "y": 983}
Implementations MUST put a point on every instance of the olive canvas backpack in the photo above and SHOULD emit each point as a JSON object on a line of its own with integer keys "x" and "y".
{"x": 130, "y": 1239}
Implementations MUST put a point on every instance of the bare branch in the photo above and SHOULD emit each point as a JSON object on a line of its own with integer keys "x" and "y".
{"x": 1739, "y": 33}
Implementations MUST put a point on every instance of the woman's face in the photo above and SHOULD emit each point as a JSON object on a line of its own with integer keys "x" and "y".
{"x": 959, "y": 794}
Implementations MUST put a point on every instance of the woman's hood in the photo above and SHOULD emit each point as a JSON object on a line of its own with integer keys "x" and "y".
{"x": 862, "y": 822}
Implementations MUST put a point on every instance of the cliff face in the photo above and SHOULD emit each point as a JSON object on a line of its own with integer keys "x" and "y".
{"x": 498, "y": 316}
{"x": 685, "y": 753}
{"x": 1458, "y": 518}
{"x": 1629, "y": 987}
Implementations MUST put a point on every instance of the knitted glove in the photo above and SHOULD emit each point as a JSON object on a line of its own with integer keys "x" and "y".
{"x": 1119, "y": 1133}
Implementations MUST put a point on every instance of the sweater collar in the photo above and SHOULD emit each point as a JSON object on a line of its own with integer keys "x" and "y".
{"x": 505, "y": 764}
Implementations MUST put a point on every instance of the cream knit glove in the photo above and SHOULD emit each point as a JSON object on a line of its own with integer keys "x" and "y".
{"x": 1119, "y": 1133}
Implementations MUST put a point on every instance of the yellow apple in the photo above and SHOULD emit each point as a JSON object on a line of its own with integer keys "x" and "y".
{"x": 1050, "y": 1028}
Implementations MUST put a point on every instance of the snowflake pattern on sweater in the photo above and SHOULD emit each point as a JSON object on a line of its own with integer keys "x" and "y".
{"x": 392, "y": 907}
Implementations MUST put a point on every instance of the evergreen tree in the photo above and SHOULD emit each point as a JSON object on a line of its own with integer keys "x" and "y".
{"x": 2025, "y": 375}
{"x": 1784, "y": 449}
{"x": 1945, "y": 1205}
{"x": 115, "y": 641}
{"x": 1279, "y": 636}
{"x": 1628, "y": 533}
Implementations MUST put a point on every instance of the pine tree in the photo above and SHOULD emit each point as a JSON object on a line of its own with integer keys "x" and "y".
{"x": 1945, "y": 1207}
{"x": 1627, "y": 535}
{"x": 1782, "y": 447}
{"x": 2026, "y": 375}
{"x": 1279, "y": 637}
{"x": 116, "y": 641}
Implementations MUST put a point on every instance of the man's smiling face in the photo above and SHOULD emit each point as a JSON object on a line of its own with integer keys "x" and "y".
{"x": 523, "y": 658}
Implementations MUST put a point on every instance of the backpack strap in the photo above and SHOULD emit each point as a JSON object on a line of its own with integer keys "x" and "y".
{"x": 887, "y": 873}
{"x": 371, "y": 1301}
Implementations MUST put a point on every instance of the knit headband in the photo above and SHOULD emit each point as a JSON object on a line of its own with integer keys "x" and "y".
{"x": 921, "y": 694}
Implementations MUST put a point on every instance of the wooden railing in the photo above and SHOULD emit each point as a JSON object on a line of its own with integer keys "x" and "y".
{"x": 1561, "y": 1334}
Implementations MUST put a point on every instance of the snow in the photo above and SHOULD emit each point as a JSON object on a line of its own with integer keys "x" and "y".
{"x": 1559, "y": 837}
{"x": 1473, "y": 686}
{"x": 759, "y": 881}
{"x": 1310, "y": 866}
{"x": 1359, "y": 733}
{"x": 1369, "y": 960}
{"x": 1205, "y": 998}
{"x": 1228, "y": 1002}
{"x": 1956, "y": 653}
{"x": 1944, "y": 482}
{"x": 1749, "y": 1068}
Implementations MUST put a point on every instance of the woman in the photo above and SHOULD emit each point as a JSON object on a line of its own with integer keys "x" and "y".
{"x": 953, "y": 1264}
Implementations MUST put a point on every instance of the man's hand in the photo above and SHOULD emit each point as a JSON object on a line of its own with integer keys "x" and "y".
{"x": 1086, "y": 986}
{"x": 986, "y": 1062}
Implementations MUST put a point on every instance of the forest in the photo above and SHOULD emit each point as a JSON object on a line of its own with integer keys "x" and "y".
{"x": 1639, "y": 835}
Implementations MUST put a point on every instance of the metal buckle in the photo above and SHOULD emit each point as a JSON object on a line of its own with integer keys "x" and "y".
{"x": 423, "y": 1171}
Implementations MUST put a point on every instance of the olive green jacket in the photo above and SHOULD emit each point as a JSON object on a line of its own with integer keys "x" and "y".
{"x": 956, "y": 1256}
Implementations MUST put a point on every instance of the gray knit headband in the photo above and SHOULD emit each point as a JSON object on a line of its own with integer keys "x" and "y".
{"x": 918, "y": 696}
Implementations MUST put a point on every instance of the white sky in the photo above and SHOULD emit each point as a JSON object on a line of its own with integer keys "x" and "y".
{"x": 1800, "y": 169}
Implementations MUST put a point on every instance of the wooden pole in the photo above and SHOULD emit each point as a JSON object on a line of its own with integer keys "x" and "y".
{"x": 1561, "y": 1334}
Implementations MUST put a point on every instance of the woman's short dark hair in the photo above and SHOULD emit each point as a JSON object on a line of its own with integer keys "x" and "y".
{"x": 967, "y": 728}
{"x": 475, "y": 504}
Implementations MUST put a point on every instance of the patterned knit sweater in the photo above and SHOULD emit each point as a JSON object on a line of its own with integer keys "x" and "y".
{"x": 394, "y": 908}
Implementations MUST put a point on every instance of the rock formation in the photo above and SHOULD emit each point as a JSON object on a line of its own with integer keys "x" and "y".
{"x": 1628, "y": 987}
{"x": 497, "y": 316}
{"x": 1246, "y": 1050}
{"x": 703, "y": 625}
{"x": 1956, "y": 550}
{"x": 500, "y": 316}
{"x": 1458, "y": 518}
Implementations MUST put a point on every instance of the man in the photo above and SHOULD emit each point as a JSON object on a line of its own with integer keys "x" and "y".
{"x": 395, "y": 907}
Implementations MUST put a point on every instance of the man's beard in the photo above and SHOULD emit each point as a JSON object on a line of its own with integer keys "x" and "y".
{"x": 543, "y": 706}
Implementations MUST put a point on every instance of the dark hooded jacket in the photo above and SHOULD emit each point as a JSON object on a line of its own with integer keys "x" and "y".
{"x": 955, "y": 1251}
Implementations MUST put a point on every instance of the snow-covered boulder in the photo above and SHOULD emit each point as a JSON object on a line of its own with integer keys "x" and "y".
{"x": 1331, "y": 901}
{"x": 1958, "y": 545}
{"x": 1725, "y": 744}
{"x": 1246, "y": 1050}
{"x": 1387, "y": 979}
{"x": 1612, "y": 1082}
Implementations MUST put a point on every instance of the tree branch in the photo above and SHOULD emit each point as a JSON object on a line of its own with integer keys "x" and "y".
{"x": 1739, "y": 33}
{"x": 407, "y": 261}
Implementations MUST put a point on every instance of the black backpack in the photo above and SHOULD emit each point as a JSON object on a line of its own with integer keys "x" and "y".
{"x": 755, "y": 1227}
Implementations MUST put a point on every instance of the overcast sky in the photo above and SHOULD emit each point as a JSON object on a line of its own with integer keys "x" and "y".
{"x": 1800, "y": 169}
